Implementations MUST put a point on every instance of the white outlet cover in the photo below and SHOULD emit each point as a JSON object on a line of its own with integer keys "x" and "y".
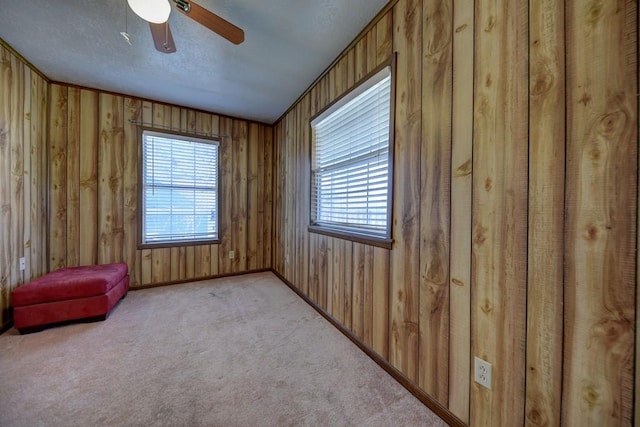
{"x": 482, "y": 372}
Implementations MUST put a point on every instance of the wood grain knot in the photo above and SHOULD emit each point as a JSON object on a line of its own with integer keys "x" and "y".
{"x": 611, "y": 123}
{"x": 590, "y": 233}
{"x": 114, "y": 183}
{"x": 612, "y": 331}
{"x": 411, "y": 327}
{"x": 461, "y": 28}
{"x": 543, "y": 82}
{"x": 490, "y": 24}
{"x": 488, "y": 184}
{"x": 457, "y": 282}
{"x": 62, "y": 103}
{"x": 536, "y": 418}
{"x": 488, "y": 81}
{"x": 464, "y": 169}
{"x": 590, "y": 395}
{"x": 486, "y": 307}
{"x": 480, "y": 236}
{"x": 594, "y": 12}
{"x": 586, "y": 98}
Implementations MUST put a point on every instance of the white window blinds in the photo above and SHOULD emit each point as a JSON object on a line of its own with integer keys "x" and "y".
{"x": 179, "y": 189}
{"x": 350, "y": 161}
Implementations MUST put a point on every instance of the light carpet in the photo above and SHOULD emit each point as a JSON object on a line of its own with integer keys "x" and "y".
{"x": 240, "y": 351}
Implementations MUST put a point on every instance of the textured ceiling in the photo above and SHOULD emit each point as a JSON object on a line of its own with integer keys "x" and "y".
{"x": 288, "y": 43}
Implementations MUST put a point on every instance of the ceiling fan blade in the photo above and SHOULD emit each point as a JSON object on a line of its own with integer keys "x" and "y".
{"x": 210, "y": 20}
{"x": 162, "y": 38}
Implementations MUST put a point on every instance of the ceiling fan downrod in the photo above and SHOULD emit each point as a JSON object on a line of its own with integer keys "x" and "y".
{"x": 183, "y": 5}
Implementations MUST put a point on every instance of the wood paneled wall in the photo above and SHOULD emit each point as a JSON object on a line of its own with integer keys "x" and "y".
{"x": 93, "y": 187}
{"x": 23, "y": 118}
{"x": 515, "y": 207}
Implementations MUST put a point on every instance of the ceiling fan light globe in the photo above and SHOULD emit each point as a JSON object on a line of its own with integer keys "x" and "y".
{"x": 155, "y": 11}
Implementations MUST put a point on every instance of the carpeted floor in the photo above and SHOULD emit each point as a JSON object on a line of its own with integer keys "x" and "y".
{"x": 242, "y": 351}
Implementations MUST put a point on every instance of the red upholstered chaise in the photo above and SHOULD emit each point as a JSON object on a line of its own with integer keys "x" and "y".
{"x": 77, "y": 293}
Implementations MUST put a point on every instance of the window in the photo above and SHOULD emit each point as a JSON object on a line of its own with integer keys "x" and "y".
{"x": 179, "y": 190}
{"x": 350, "y": 170}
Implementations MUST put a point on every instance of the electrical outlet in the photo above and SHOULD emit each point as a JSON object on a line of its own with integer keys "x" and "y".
{"x": 232, "y": 254}
{"x": 23, "y": 264}
{"x": 482, "y": 372}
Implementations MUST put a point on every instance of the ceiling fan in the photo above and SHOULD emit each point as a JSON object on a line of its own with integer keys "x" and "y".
{"x": 156, "y": 12}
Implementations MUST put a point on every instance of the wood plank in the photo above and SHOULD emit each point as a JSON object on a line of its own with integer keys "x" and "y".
{"x": 637, "y": 365}
{"x": 110, "y": 185}
{"x": 253, "y": 184}
{"x": 351, "y": 71}
{"x": 26, "y": 170}
{"x": 500, "y": 209}
{"x": 305, "y": 185}
{"x": 214, "y": 249}
{"x": 372, "y": 49}
{"x": 367, "y": 295}
{"x": 314, "y": 273}
{"x": 276, "y": 256}
{"x": 347, "y": 282}
{"x": 337, "y": 276}
{"x": 179, "y": 253}
{"x": 203, "y": 252}
{"x": 57, "y": 177}
{"x": 161, "y": 257}
{"x": 381, "y": 302}
{"x": 6, "y": 71}
{"x": 88, "y": 176}
{"x": 435, "y": 195}
{"x": 132, "y": 256}
{"x": 16, "y": 133}
{"x": 324, "y": 259}
{"x": 357, "y": 280}
{"x": 601, "y": 216}
{"x": 269, "y": 161}
{"x": 404, "y": 263}
{"x": 239, "y": 201}
{"x": 546, "y": 213}
{"x": 298, "y": 260}
{"x": 461, "y": 184}
{"x": 226, "y": 185}
{"x": 39, "y": 108}
{"x": 360, "y": 59}
{"x": 259, "y": 205}
{"x": 44, "y": 161}
{"x": 384, "y": 38}
{"x": 329, "y": 288}
{"x": 146, "y": 261}
{"x": 289, "y": 197}
{"x": 188, "y": 123}
{"x": 74, "y": 118}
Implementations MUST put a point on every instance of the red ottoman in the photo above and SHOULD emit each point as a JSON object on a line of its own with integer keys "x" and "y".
{"x": 88, "y": 293}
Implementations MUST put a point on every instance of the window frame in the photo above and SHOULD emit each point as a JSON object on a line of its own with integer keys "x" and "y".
{"x": 386, "y": 241}
{"x": 140, "y": 191}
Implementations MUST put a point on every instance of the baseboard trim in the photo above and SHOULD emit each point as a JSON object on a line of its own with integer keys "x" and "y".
{"x": 427, "y": 400}
{"x": 199, "y": 279}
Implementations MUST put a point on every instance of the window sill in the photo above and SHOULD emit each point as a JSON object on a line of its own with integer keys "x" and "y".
{"x": 162, "y": 245}
{"x": 354, "y": 237}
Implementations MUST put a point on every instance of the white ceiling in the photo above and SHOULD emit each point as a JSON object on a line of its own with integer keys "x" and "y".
{"x": 288, "y": 43}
